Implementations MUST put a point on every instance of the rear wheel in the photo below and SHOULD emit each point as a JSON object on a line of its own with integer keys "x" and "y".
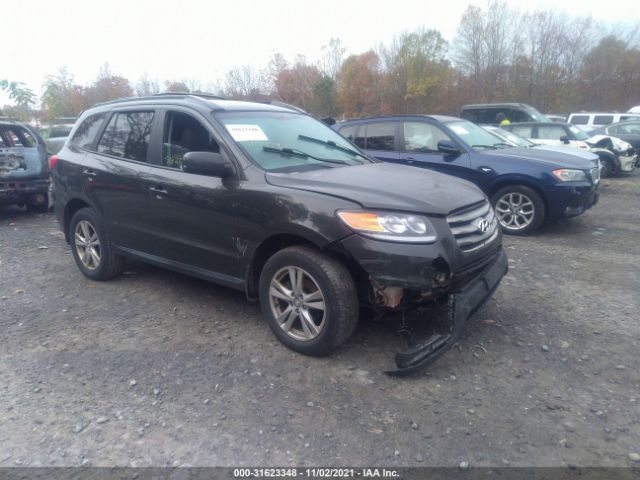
{"x": 91, "y": 247}
{"x": 519, "y": 209}
{"x": 309, "y": 299}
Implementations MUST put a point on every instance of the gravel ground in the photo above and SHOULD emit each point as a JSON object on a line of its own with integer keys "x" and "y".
{"x": 156, "y": 368}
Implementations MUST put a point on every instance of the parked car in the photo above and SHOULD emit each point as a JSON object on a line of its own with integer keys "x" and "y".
{"x": 590, "y": 121}
{"x": 525, "y": 185}
{"x": 518, "y": 141}
{"x": 556, "y": 118}
{"x": 24, "y": 171}
{"x": 272, "y": 202}
{"x": 629, "y": 131}
{"x": 56, "y": 135}
{"x": 635, "y": 109}
{"x": 486, "y": 113}
{"x": 616, "y": 155}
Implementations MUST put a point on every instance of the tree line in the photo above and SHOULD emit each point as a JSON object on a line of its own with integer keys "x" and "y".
{"x": 554, "y": 61}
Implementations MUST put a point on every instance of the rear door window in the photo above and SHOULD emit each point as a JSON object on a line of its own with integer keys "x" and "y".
{"x": 86, "y": 132}
{"x": 602, "y": 119}
{"x": 127, "y": 135}
{"x": 579, "y": 119}
{"x": 16, "y": 136}
{"x": 381, "y": 136}
{"x": 524, "y": 131}
{"x": 349, "y": 132}
{"x": 550, "y": 132}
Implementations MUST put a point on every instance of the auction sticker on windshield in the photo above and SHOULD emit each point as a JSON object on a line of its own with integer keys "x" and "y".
{"x": 246, "y": 133}
{"x": 459, "y": 129}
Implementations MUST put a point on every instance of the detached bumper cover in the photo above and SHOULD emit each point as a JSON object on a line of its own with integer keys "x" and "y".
{"x": 461, "y": 305}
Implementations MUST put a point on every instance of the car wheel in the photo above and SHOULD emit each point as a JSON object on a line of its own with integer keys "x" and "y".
{"x": 91, "y": 247}
{"x": 607, "y": 168}
{"x": 41, "y": 207}
{"x": 309, "y": 300}
{"x": 519, "y": 209}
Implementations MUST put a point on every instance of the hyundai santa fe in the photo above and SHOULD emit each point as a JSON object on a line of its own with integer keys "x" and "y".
{"x": 270, "y": 201}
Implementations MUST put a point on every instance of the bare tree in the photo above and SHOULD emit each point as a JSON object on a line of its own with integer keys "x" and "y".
{"x": 332, "y": 57}
{"x": 147, "y": 86}
{"x": 243, "y": 82}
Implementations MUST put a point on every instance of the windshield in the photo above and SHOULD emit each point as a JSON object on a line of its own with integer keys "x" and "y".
{"x": 516, "y": 140}
{"x": 475, "y": 136}
{"x": 536, "y": 115}
{"x": 580, "y": 135}
{"x": 283, "y": 141}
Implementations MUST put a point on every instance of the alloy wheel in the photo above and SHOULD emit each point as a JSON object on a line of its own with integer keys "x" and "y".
{"x": 297, "y": 303}
{"x": 515, "y": 211}
{"x": 87, "y": 245}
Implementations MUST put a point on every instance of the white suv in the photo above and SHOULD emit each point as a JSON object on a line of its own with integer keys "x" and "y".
{"x": 590, "y": 121}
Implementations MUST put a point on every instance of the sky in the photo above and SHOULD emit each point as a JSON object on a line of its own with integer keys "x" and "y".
{"x": 201, "y": 40}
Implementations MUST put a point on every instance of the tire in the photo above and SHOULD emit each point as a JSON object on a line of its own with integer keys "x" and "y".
{"x": 337, "y": 295}
{"x": 106, "y": 264}
{"x": 529, "y": 201}
{"x": 39, "y": 207}
{"x": 607, "y": 169}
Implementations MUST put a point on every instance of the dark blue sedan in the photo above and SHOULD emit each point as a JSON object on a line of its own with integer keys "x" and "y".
{"x": 525, "y": 185}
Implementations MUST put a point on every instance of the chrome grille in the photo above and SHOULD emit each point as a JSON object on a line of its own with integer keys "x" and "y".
{"x": 465, "y": 224}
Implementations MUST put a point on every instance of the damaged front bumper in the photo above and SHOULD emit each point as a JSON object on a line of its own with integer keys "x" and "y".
{"x": 461, "y": 305}
{"x": 627, "y": 162}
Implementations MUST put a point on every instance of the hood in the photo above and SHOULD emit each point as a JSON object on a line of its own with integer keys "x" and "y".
{"x": 386, "y": 186}
{"x": 615, "y": 143}
{"x": 559, "y": 157}
{"x": 578, "y": 152}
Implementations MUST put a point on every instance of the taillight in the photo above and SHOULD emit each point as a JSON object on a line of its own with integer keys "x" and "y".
{"x": 52, "y": 162}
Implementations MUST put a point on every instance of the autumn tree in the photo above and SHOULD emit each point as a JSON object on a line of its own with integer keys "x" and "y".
{"x": 415, "y": 72}
{"x": 358, "y": 85}
{"x": 62, "y": 97}
{"x": 108, "y": 86}
{"x": 297, "y": 84}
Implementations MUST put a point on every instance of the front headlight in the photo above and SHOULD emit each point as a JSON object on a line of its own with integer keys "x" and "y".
{"x": 570, "y": 175}
{"x": 396, "y": 227}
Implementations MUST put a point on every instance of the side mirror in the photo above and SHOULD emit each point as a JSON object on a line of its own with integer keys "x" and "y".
{"x": 448, "y": 148}
{"x": 564, "y": 139}
{"x": 206, "y": 163}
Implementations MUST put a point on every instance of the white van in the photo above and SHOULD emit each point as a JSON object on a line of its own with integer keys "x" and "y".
{"x": 590, "y": 121}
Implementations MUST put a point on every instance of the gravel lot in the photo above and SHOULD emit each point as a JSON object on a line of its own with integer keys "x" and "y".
{"x": 156, "y": 368}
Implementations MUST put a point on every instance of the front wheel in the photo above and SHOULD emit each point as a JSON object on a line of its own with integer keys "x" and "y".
{"x": 519, "y": 209}
{"x": 309, "y": 300}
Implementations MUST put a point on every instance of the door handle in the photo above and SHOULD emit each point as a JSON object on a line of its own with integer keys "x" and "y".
{"x": 158, "y": 190}
{"x": 88, "y": 172}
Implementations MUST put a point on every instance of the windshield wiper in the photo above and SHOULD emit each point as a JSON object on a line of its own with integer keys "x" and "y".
{"x": 492, "y": 147}
{"x": 332, "y": 144}
{"x": 299, "y": 153}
